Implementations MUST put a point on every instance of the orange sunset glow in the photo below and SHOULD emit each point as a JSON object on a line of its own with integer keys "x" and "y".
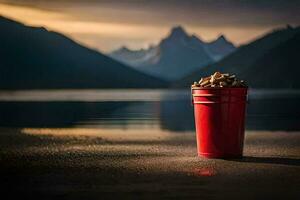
{"x": 105, "y": 26}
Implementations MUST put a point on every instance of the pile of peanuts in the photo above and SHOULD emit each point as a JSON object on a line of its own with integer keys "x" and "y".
{"x": 220, "y": 80}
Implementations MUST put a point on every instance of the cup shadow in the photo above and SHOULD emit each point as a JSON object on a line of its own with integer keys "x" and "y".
{"x": 269, "y": 160}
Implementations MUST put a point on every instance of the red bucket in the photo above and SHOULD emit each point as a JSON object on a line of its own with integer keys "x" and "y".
{"x": 220, "y": 121}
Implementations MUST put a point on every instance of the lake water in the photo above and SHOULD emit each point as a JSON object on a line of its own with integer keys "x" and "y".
{"x": 137, "y": 109}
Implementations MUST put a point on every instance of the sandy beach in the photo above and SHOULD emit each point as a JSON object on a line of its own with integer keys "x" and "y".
{"x": 87, "y": 163}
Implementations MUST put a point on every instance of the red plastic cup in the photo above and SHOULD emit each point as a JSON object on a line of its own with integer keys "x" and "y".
{"x": 220, "y": 121}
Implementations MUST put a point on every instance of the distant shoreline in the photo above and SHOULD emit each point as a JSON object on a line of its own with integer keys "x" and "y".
{"x": 99, "y": 95}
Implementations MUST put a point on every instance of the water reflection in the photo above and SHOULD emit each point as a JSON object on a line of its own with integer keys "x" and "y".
{"x": 274, "y": 114}
{"x": 204, "y": 172}
{"x": 175, "y": 114}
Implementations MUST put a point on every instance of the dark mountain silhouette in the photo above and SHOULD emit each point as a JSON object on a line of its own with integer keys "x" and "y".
{"x": 262, "y": 63}
{"x": 176, "y": 55}
{"x": 33, "y": 58}
{"x": 278, "y": 68}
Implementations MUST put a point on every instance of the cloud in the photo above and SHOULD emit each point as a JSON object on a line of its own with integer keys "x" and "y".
{"x": 243, "y": 13}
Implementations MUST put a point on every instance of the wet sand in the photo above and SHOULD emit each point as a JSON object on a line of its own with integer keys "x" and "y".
{"x": 126, "y": 164}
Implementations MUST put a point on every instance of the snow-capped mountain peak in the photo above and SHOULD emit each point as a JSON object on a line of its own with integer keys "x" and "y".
{"x": 176, "y": 55}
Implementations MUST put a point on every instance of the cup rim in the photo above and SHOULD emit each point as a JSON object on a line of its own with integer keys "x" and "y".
{"x": 218, "y": 88}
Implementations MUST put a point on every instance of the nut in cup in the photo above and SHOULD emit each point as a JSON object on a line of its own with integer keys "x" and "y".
{"x": 219, "y": 111}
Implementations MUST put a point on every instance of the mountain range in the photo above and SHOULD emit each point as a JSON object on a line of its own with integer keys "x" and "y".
{"x": 176, "y": 55}
{"x": 268, "y": 62}
{"x": 35, "y": 58}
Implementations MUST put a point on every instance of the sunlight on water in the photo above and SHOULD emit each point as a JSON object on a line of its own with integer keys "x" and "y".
{"x": 113, "y": 95}
{"x": 94, "y": 95}
{"x": 154, "y": 133}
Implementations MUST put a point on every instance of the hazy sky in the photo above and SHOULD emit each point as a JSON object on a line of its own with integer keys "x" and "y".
{"x": 107, "y": 25}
